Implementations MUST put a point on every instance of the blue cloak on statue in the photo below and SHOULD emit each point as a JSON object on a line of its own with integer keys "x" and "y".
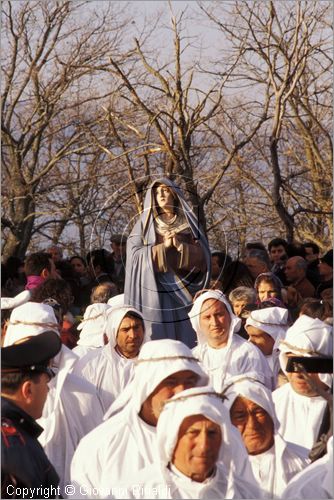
{"x": 164, "y": 298}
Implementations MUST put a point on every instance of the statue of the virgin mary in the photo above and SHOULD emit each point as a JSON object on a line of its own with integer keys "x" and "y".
{"x": 168, "y": 261}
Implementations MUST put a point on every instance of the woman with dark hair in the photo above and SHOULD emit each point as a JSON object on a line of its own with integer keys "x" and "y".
{"x": 79, "y": 267}
{"x": 268, "y": 286}
{"x": 168, "y": 261}
{"x": 317, "y": 308}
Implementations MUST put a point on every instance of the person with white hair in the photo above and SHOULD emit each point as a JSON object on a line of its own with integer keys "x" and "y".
{"x": 299, "y": 407}
{"x": 197, "y": 449}
{"x": 222, "y": 353}
{"x": 266, "y": 327}
{"x": 110, "y": 368}
{"x": 274, "y": 462}
{"x": 92, "y": 329}
{"x": 72, "y": 408}
{"x": 316, "y": 481}
{"x": 126, "y": 441}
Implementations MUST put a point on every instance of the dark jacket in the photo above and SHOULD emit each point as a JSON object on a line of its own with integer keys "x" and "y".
{"x": 23, "y": 461}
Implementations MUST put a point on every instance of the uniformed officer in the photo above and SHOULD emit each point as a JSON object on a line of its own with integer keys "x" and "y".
{"x": 25, "y": 373}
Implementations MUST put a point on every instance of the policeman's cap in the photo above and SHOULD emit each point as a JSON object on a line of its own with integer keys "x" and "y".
{"x": 31, "y": 354}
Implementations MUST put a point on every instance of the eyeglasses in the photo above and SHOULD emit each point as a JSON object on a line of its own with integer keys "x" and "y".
{"x": 241, "y": 417}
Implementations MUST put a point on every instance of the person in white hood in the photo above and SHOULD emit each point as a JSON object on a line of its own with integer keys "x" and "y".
{"x": 316, "y": 481}
{"x": 197, "y": 445}
{"x": 110, "y": 368}
{"x": 72, "y": 408}
{"x": 299, "y": 407}
{"x": 252, "y": 412}
{"x": 266, "y": 328}
{"x": 126, "y": 442}
{"x": 92, "y": 329}
{"x": 222, "y": 353}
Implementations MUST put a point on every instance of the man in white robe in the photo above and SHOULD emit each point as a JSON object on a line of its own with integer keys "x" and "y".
{"x": 196, "y": 444}
{"x": 316, "y": 481}
{"x": 72, "y": 408}
{"x": 252, "y": 412}
{"x": 92, "y": 329}
{"x": 110, "y": 368}
{"x": 126, "y": 442}
{"x": 222, "y": 352}
{"x": 266, "y": 328}
{"x": 298, "y": 406}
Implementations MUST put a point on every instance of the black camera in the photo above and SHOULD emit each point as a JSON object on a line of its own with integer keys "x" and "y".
{"x": 313, "y": 364}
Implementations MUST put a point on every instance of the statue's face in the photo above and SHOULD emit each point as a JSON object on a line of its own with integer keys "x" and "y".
{"x": 164, "y": 196}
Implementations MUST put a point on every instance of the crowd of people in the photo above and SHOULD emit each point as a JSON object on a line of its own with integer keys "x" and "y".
{"x": 161, "y": 368}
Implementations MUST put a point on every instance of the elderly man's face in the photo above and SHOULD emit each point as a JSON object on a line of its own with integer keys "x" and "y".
{"x": 255, "y": 425}
{"x": 170, "y": 386}
{"x": 197, "y": 448}
{"x": 215, "y": 322}
{"x": 261, "y": 339}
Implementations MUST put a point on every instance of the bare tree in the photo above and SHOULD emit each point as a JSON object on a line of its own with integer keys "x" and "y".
{"x": 169, "y": 114}
{"x": 44, "y": 81}
{"x": 286, "y": 46}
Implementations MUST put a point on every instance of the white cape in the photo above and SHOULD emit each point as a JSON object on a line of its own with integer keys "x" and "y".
{"x": 72, "y": 409}
{"x": 107, "y": 371}
{"x": 153, "y": 483}
{"x": 316, "y": 481}
{"x": 236, "y": 358}
{"x": 275, "y": 468}
{"x": 110, "y": 454}
{"x": 299, "y": 416}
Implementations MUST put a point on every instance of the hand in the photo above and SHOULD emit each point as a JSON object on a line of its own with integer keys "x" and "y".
{"x": 168, "y": 240}
{"x": 177, "y": 243}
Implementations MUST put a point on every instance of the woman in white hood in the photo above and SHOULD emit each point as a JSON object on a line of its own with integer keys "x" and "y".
{"x": 222, "y": 352}
{"x": 266, "y": 328}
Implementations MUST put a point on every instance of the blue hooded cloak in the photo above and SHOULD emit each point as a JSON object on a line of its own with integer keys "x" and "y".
{"x": 164, "y": 298}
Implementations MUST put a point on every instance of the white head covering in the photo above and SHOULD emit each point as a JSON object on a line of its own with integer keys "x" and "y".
{"x": 308, "y": 337}
{"x": 114, "y": 319}
{"x": 93, "y": 325}
{"x": 194, "y": 314}
{"x": 251, "y": 388}
{"x": 116, "y": 301}
{"x": 28, "y": 320}
{"x": 272, "y": 320}
{"x": 157, "y": 360}
{"x": 32, "y": 319}
{"x": 199, "y": 401}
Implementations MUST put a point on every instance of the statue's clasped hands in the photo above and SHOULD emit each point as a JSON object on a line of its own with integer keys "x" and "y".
{"x": 172, "y": 240}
